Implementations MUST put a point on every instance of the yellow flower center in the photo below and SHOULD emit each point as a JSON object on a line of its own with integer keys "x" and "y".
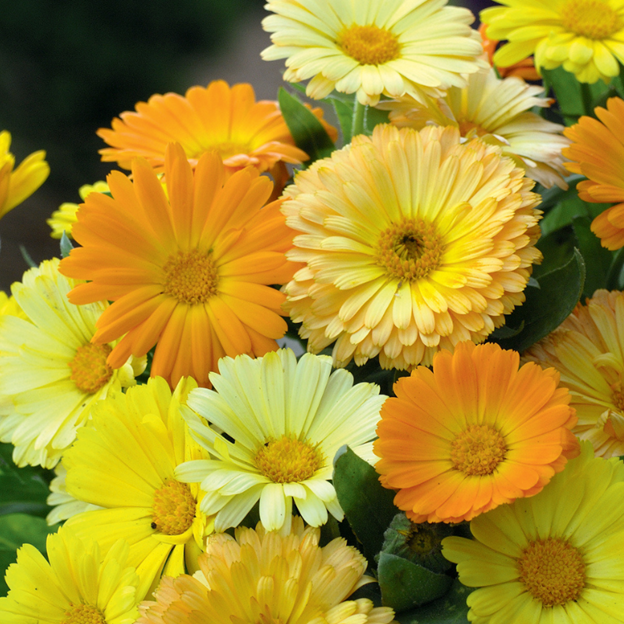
{"x": 288, "y": 460}
{"x": 594, "y": 19}
{"x": 467, "y": 128}
{"x": 369, "y": 45}
{"x": 174, "y": 508}
{"x": 83, "y": 614}
{"x": 409, "y": 250}
{"x": 478, "y": 450}
{"x": 618, "y": 395}
{"x": 226, "y": 150}
{"x": 190, "y": 277}
{"x": 553, "y": 571}
{"x": 89, "y": 370}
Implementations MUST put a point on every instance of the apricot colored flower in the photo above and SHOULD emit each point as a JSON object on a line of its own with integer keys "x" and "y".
{"x": 372, "y": 47}
{"x": 587, "y": 350}
{"x": 597, "y": 152}
{"x": 472, "y": 434}
{"x": 413, "y": 241}
{"x": 188, "y": 270}
{"x": 555, "y": 557}
{"x": 260, "y": 576}
{"x": 585, "y": 36}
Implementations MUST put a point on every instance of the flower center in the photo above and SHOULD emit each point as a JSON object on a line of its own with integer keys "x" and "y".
{"x": 478, "y": 450}
{"x": 226, "y": 150}
{"x": 409, "y": 250}
{"x": 553, "y": 571}
{"x": 618, "y": 395}
{"x": 83, "y": 614}
{"x": 89, "y": 370}
{"x": 369, "y": 45}
{"x": 190, "y": 277}
{"x": 288, "y": 460}
{"x": 593, "y": 19}
{"x": 469, "y": 130}
{"x": 174, "y": 508}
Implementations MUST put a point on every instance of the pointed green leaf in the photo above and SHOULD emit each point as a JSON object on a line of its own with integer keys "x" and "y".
{"x": 344, "y": 112}
{"x": 66, "y": 245}
{"x": 597, "y": 258}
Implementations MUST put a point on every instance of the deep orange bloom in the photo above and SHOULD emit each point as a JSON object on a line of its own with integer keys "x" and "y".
{"x": 473, "y": 433}
{"x": 522, "y": 69}
{"x": 188, "y": 269}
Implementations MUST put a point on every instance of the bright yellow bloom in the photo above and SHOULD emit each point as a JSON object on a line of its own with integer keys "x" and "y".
{"x": 288, "y": 420}
{"x": 555, "y": 557}
{"x": 19, "y": 184}
{"x": 188, "y": 270}
{"x": 49, "y": 368}
{"x": 9, "y": 305}
{"x": 63, "y": 504}
{"x": 79, "y": 585}
{"x": 499, "y": 112}
{"x": 370, "y": 47}
{"x": 414, "y": 241}
{"x": 585, "y": 36}
{"x": 269, "y": 577}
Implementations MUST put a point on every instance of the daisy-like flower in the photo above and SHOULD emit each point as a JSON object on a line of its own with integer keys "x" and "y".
{"x": 261, "y": 576}
{"x": 79, "y": 585}
{"x": 499, "y": 112}
{"x": 555, "y": 557}
{"x": 124, "y": 462}
{"x": 49, "y": 368}
{"x": 188, "y": 270}
{"x": 19, "y": 184}
{"x": 372, "y": 47}
{"x": 585, "y": 36}
{"x": 587, "y": 350}
{"x": 413, "y": 242}
{"x": 472, "y": 434}
{"x": 8, "y": 305}
{"x": 597, "y": 152}
{"x": 288, "y": 420}
{"x": 63, "y": 219}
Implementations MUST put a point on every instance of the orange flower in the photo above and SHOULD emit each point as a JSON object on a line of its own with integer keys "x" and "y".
{"x": 522, "y": 69}
{"x": 190, "y": 271}
{"x": 473, "y": 434}
{"x": 597, "y": 152}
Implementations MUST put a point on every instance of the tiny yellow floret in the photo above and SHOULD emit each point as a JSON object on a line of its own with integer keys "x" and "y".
{"x": 89, "y": 370}
{"x": 191, "y": 277}
{"x": 369, "y": 45}
{"x": 288, "y": 460}
{"x": 83, "y": 614}
{"x": 174, "y": 508}
{"x": 593, "y": 19}
{"x": 478, "y": 450}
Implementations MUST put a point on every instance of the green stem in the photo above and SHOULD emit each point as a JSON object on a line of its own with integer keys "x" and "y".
{"x": 587, "y": 99}
{"x": 613, "y": 277}
{"x": 358, "y": 119}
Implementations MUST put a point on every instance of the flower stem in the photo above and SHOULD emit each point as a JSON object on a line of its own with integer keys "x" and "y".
{"x": 587, "y": 99}
{"x": 358, "y": 119}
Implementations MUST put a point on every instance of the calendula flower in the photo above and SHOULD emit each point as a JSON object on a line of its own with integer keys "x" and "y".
{"x": 8, "y": 305}
{"x": 555, "y": 557}
{"x": 524, "y": 69}
{"x": 413, "y": 241}
{"x": 49, "y": 368}
{"x": 124, "y": 462}
{"x": 586, "y": 349}
{"x": 288, "y": 420}
{"x": 499, "y": 112}
{"x": 582, "y": 35}
{"x": 188, "y": 270}
{"x": 79, "y": 585}
{"x": 63, "y": 219}
{"x": 472, "y": 434}
{"x": 597, "y": 152}
{"x": 394, "y": 47}
{"x": 261, "y": 576}
{"x": 16, "y": 185}
{"x": 63, "y": 504}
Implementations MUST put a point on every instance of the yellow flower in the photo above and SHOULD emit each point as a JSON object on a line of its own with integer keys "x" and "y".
{"x": 268, "y": 577}
{"x": 414, "y": 241}
{"x": 50, "y": 369}
{"x": 79, "y": 585}
{"x": 585, "y": 36}
{"x": 372, "y": 47}
{"x": 19, "y": 184}
{"x": 288, "y": 420}
{"x": 499, "y": 112}
{"x": 555, "y": 557}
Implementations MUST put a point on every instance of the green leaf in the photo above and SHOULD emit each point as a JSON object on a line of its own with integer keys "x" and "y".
{"x": 367, "y": 504}
{"x": 373, "y": 117}
{"x": 66, "y": 245}
{"x": 615, "y": 278}
{"x": 307, "y": 131}
{"x": 405, "y": 584}
{"x": 557, "y": 249}
{"x": 344, "y": 112}
{"x": 569, "y": 205}
{"x": 597, "y": 258}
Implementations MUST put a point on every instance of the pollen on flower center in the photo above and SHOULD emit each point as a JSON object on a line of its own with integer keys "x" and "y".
{"x": 89, "y": 370}
{"x": 174, "y": 508}
{"x": 83, "y": 614}
{"x": 409, "y": 250}
{"x": 553, "y": 571}
{"x": 288, "y": 460}
{"x": 478, "y": 450}
{"x": 190, "y": 277}
{"x": 369, "y": 45}
{"x": 593, "y": 19}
